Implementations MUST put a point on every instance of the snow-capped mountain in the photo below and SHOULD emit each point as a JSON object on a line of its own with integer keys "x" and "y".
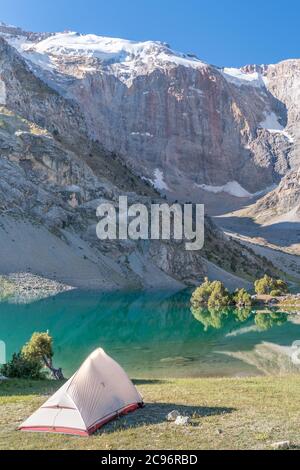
{"x": 196, "y": 131}
{"x": 55, "y": 171}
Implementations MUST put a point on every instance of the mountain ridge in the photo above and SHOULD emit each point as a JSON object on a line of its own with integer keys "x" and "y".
{"x": 175, "y": 114}
{"x": 182, "y": 131}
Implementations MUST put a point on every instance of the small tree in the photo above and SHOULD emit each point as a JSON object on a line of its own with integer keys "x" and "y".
{"x": 39, "y": 348}
{"x": 242, "y": 298}
{"x": 219, "y": 296}
{"x": 270, "y": 286}
{"x": 201, "y": 295}
{"x": 281, "y": 286}
{"x": 211, "y": 294}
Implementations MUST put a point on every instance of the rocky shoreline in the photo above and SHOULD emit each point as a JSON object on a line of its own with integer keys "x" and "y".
{"x": 27, "y": 287}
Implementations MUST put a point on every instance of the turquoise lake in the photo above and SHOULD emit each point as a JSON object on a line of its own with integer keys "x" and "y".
{"x": 155, "y": 334}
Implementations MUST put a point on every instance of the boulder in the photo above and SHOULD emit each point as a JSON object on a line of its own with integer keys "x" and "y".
{"x": 182, "y": 420}
{"x": 282, "y": 445}
{"x": 173, "y": 415}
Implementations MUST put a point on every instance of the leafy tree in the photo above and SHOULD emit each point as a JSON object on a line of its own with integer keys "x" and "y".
{"x": 242, "y": 298}
{"x": 39, "y": 348}
{"x": 201, "y": 295}
{"x": 267, "y": 285}
{"x": 219, "y": 296}
{"x": 211, "y": 294}
{"x": 282, "y": 286}
{"x": 276, "y": 293}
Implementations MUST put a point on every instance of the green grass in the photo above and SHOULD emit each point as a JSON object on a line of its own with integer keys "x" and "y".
{"x": 240, "y": 413}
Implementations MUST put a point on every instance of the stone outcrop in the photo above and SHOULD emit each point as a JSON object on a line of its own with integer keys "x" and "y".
{"x": 196, "y": 131}
{"x": 280, "y": 205}
{"x": 73, "y": 134}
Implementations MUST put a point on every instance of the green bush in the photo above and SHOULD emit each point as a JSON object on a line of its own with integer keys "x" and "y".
{"x": 219, "y": 296}
{"x": 242, "y": 298}
{"x": 210, "y": 294}
{"x": 267, "y": 285}
{"x": 20, "y": 367}
{"x": 34, "y": 360}
{"x": 201, "y": 295}
{"x": 276, "y": 293}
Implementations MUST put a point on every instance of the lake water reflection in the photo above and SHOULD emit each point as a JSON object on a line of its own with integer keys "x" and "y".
{"x": 155, "y": 334}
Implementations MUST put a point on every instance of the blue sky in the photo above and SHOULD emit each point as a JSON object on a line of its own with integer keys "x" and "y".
{"x": 221, "y": 32}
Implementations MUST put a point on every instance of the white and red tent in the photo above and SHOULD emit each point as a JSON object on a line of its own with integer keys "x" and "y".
{"x": 97, "y": 393}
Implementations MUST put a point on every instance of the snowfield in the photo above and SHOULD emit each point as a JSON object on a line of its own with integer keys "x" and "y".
{"x": 129, "y": 58}
{"x": 272, "y": 125}
{"x": 232, "y": 187}
{"x": 240, "y": 78}
{"x": 271, "y": 122}
{"x": 158, "y": 181}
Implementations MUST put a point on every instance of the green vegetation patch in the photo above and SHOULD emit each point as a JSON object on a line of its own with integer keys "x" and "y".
{"x": 226, "y": 413}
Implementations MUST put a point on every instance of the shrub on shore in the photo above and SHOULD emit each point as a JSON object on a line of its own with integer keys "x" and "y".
{"x": 270, "y": 286}
{"x": 242, "y": 298}
{"x": 211, "y": 294}
{"x": 33, "y": 360}
{"x": 20, "y": 367}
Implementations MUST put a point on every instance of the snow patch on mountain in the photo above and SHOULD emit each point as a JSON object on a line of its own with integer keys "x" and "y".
{"x": 158, "y": 181}
{"x": 272, "y": 125}
{"x": 125, "y": 58}
{"x": 232, "y": 187}
{"x": 271, "y": 122}
{"x": 284, "y": 134}
{"x": 142, "y": 134}
{"x": 240, "y": 78}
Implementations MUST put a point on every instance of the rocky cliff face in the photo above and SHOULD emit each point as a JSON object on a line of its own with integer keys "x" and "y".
{"x": 197, "y": 132}
{"x": 55, "y": 170}
{"x": 280, "y": 205}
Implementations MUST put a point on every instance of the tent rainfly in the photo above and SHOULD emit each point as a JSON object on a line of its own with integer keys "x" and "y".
{"x": 97, "y": 393}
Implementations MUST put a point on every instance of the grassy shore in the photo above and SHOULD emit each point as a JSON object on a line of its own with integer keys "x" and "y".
{"x": 239, "y": 413}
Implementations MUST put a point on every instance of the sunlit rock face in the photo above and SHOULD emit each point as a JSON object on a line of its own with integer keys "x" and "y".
{"x": 64, "y": 149}
{"x": 197, "y": 126}
{"x": 280, "y": 205}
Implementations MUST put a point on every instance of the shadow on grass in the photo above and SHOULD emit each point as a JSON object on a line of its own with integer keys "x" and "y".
{"x": 156, "y": 413}
{"x": 148, "y": 381}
